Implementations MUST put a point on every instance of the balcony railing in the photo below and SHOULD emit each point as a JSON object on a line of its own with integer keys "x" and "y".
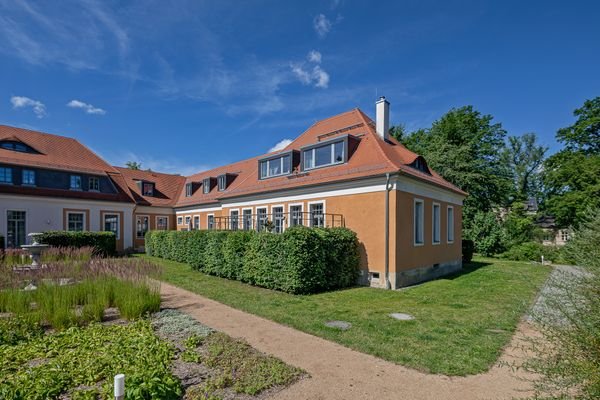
{"x": 277, "y": 222}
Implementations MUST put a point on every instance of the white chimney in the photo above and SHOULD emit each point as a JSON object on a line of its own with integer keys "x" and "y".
{"x": 382, "y": 117}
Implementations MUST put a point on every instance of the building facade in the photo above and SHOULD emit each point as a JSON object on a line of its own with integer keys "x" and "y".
{"x": 342, "y": 171}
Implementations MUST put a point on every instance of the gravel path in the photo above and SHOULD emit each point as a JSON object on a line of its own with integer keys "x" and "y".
{"x": 341, "y": 373}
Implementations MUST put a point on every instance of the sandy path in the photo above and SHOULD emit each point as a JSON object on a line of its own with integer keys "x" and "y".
{"x": 341, "y": 373}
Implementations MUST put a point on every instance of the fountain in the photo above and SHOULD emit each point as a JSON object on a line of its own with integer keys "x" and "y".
{"x": 34, "y": 249}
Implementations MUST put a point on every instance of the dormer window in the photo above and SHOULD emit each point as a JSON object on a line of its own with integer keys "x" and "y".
{"x": 323, "y": 155}
{"x": 75, "y": 183}
{"x": 206, "y": 186}
{"x": 420, "y": 164}
{"x": 148, "y": 189}
{"x": 275, "y": 166}
{"x": 28, "y": 177}
{"x": 189, "y": 189}
{"x": 222, "y": 182}
{"x": 6, "y": 175}
{"x": 16, "y": 146}
{"x": 94, "y": 184}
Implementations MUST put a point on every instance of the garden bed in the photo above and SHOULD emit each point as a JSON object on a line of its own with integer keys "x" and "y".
{"x": 89, "y": 320}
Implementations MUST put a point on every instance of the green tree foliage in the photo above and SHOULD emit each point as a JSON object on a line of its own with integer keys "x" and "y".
{"x": 572, "y": 176}
{"x": 467, "y": 149}
{"x": 487, "y": 233}
{"x": 524, "y": 158}
{"x": 519, "y": 227}
{"x": 133, "y": 165}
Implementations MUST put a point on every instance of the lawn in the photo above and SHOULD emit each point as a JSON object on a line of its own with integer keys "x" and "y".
{"x": 461, "y": 323}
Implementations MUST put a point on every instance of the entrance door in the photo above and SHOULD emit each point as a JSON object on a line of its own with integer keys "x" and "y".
{"x": 15, "y": 229}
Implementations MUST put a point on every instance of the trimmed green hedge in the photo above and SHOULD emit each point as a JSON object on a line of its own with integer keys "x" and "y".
{"x": 301, "y": 260}
{"x": 105, "y": 243}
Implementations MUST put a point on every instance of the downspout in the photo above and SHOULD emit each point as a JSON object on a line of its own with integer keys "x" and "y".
{"x": 388, "y": 188}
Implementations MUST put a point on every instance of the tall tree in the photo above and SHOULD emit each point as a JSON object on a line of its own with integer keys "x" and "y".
{"x": 572, "y": 176}
{"x": 525, "y": 157}
{"x": 467, "y": 148}
{"x": 133, "y": 165}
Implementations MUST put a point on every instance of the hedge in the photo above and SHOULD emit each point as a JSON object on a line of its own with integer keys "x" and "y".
{"x": 468, "y": 248}
{"x": 105, "y": 243}
{"x": 301, "y": 260}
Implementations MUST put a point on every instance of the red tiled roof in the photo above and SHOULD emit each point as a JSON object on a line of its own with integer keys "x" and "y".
{"x": 166, "y": 186}
{"x": 372, "y": 157}
{"x": 55, "y": 152}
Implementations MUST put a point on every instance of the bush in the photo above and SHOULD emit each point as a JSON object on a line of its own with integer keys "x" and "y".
{"x": 533, "y": 251}
{"x": 104, "y": 243}
{"x": 487, "y": 233}
{"x": 300, "y": 260}
{"x": 468, "y": 248}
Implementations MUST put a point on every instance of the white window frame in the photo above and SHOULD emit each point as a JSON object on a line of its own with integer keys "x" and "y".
{"x": 283, "y": 212}
{"x": 206, "y": 188}
{"x": 83, "y": 220}
{"x": 27, "y": 230}
{"x": 11, "y": 176}
{"x": 90, "y": 183}
{"x": 166, "y": 217}
{"x": 180, "y": 220}
{"x": 450, "y": 226}
{"x": 268, "y": 161}
{"x": 111, "y": 214}
{"x": 208, "y": 223}
{"x": 71, "y": 182}
{"x": 239, "y": 217}
{"x": 439, "y": 223}
{"x": 135, "y": 227}
{"x": 194, "y": 221}
{"x": 313, "y": 150}
{"x": 23, "y": 177}
{"x": 223, "y": 179}
{"x": 266, "y": 208}
{"x": 421, "y": 222}
{"x": 190, "y": 192}
{"x": 308, "y": 204}
{"x": 244, "y": 221}
{"x": 289, "y": 210}
{"x": 188, "y": 221}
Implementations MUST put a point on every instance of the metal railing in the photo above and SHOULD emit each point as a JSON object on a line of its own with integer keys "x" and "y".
{"x": 277, "y": 222}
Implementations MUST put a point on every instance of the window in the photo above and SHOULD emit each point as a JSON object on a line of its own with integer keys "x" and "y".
{"x": 196, "y": 222}
{"x": 317, "y": 218}
{"x": 564, "y": 235}
{"x": 210, "y": 222}
{"x": 5, "y": 175}
{"x": 162, "y": 223}
{"x": 16, "y": 146}
{"x": 28, "y": 177}
{"x": 296, "y": 215}
{"x": 278, "y": 218}
{"x": 111, "y": 224}
{"x": 233, "y": 219}
{"x": 206, "y": 186}
{"x": 436, "y": 224}
{"x": 261, "y": 218}
{"x": 419, "y": 222}
{"x": 420, "y": 164}
{"x": 94, "y": 184}
{"x": 75, "y": 222}
{"x": 75, "y": 182}
{"x": 179, "y": 220}
{"x": 188, "y": 219}
{"x": 275, "y": 166}
{"x": 15, "y": 228}
{"x": 222, "y": 182}
{"x": 188, "y": 189}
{"x": 148, "y": 189}
{"x": 247, "y": 219}
{"x": 322, "y": 156}
{"x": 450, "y": 224}
{"x": 141, "y": 224}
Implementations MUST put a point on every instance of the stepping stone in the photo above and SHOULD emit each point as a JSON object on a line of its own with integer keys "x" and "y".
{"x": 341, "y": 325}
{"x": 30, "y": 287}
{"x": 402, "y": 316}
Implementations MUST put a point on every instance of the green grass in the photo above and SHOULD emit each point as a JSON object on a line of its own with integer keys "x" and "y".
{"x": 462, "y": 322}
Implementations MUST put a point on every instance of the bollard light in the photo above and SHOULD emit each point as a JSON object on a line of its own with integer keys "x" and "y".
{"x": 119, "y": 387}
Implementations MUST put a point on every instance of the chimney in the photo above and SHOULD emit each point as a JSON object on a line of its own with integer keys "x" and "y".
{"x": 382, "y": 117}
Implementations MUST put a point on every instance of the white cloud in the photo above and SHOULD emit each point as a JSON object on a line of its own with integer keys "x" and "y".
{"x": 321, "y": 25}
{"x": 320, "y": 77}
{"x": 280, "y": 145}
{"x": 88, "y": 108}
{"x": 314, "y": 56}
{"x": 317, "y": 76}
{"x": 300, "y": 73}
{"x": 39, "y": 109}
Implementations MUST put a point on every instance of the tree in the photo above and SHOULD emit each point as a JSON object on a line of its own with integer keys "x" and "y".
{"x": 398, "y": 132}
{"x": 133, "y": 165}
{"x": 524, "y": 158}
{"x": 466, "y": 148}
{"x": 572, "y": 176}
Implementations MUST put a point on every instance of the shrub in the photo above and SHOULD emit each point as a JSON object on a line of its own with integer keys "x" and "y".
{"x": 533, "y": 251}
{"x": 104, "y": 242}
{"x": 468, "y": 248}
{"x": 301, "y": 260}
{"x": 487, "y": 233}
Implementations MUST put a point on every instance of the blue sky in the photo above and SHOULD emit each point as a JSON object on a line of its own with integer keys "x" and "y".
{"x": 183, "y": 86}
